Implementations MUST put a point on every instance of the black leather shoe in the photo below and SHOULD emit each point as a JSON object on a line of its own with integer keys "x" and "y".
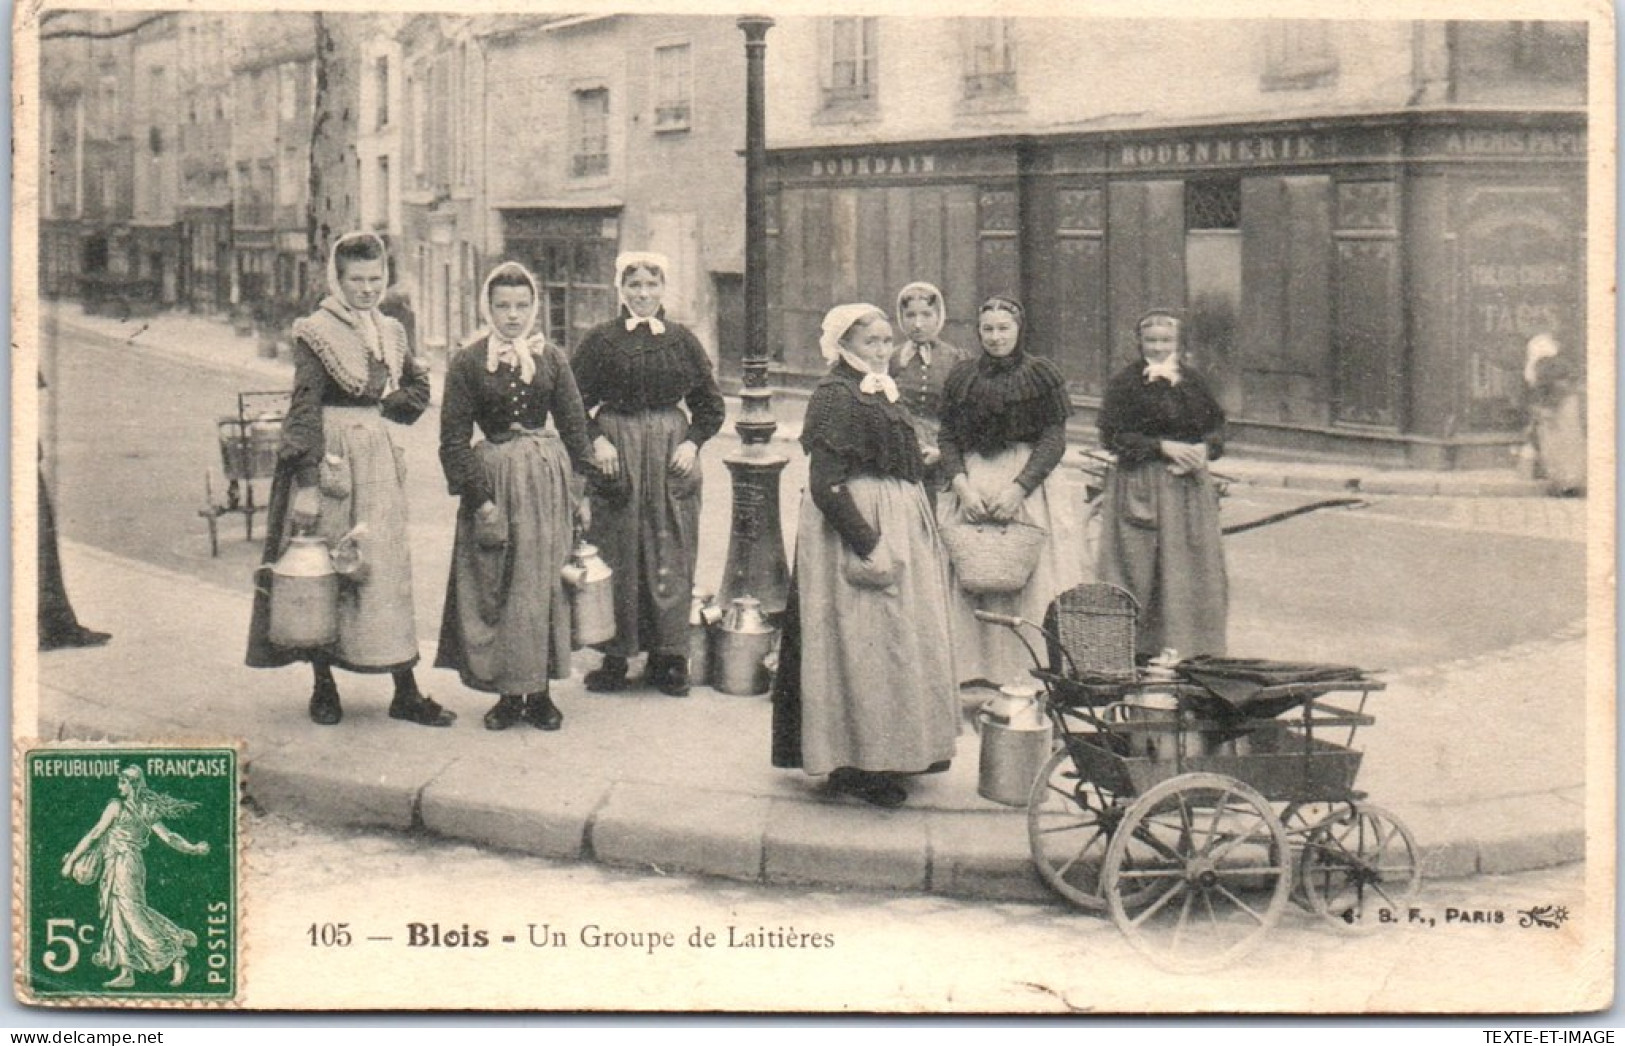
{"x": 508, "y": 710}
{"x": 542, "y": 713}
{"x": 876, "y": 789}
{"x": 325, "y": 709}
{"x": 420, "y": 709}
{"x": 78, "y": 636}
{"x": 608, "y": 677}
{"x": 670, "y": 675}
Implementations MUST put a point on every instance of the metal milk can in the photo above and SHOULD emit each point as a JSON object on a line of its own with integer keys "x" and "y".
{"x": 744, "y": 640}
{"x": 703, "y": 614}
{"x": 304, "y": 595}
{"x": 1015, "y": 743}
{"x": 592, "y": 595}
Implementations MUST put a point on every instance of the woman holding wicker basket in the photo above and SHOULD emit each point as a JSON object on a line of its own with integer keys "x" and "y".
{"x": 1013, "y": 546}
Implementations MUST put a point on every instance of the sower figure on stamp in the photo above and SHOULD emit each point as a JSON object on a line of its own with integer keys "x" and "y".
{"x": 354, "y": 375}
{"x": 135, "y": 937}
{"x": 633, "y": 372}
{"x": 506, "y": 626}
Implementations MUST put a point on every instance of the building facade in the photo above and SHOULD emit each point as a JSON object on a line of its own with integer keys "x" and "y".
{"x": 204, "y": 111}
{"x": 88, "y": 151}
{"x": 1363, "y": 222}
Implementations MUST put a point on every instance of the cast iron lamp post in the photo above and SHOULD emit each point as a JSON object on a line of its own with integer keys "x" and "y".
{"x": 756, "y": 564}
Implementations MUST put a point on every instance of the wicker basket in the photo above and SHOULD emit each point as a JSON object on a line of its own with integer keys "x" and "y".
{"x": 993, "y": 558}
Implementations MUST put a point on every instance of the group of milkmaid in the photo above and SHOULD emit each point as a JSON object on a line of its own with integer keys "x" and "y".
{"x": 905, "y": 435}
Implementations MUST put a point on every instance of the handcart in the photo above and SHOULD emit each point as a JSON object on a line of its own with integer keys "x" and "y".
{"x": 248, "y": 454}
{"x": 1193, "y": 808}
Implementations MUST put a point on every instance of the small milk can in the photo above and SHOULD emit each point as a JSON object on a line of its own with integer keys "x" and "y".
{"x": 1015, "y": 743}
{"x": 304, "y": 595}
{"x": 703, "y": 614}
{"x": 592, "y": 595}
{"x": 744, "y": 640}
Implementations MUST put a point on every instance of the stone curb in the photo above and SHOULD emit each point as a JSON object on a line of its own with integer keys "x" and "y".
{"x": 780, "y": 841}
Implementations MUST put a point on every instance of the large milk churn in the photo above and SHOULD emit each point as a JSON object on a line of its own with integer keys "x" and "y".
{"x": 1015, "y": 743}
{"x": 703, "y": 613}
{"x": 743, "y": 643}
{"x": 592, "y": 595}
{"x": 304, "y": 595}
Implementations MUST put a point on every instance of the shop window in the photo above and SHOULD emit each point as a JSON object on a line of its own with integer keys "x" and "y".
{"x": 851, "y": 62}
{"x": 1298, "y": 54}
{"x": 1213, "y": 205}
{"x": 990, "y": 57}
{"x": 673, "y": 88}
{"x": 591, "y": 116}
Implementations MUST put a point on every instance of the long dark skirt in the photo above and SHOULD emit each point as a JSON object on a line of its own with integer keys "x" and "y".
{"x": 1160, "y": 540}
{"x": 648, "y": 531}
{"x": 506, "y": 623}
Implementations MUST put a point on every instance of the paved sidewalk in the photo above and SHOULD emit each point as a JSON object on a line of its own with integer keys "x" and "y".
{"x": 644, "y": 781}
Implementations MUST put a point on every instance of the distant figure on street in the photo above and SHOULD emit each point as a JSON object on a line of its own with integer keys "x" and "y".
{"x": 338, "y": 466}
{"x": 921, "y": 367}
{"x": 506, "y": 625}
{"x": 1556, "y": 416}
{"x": 1160, "y": 537}
{"x": 633, "y": 372}
{"x": 59, "y": 626}
{"x": 1003, "y": 433}
{"x": 866, "y": 690}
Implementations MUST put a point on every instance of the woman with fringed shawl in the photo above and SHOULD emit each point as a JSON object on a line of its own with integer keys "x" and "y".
{"x": 338, "y": 467}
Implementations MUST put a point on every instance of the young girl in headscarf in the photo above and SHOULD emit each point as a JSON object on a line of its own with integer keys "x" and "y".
{"x": 921, "y": 368}
{"x": 354, "y": 374}
{"x": 633, "y": 372}
{"x": 866, "y": 689}
{"x": 1160, "y": 537}
{"x": 506, "y": 625}
{"x": 1003, "y": 432}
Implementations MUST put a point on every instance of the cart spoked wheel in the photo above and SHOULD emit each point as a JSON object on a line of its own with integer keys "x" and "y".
{"x": 1300, "y": 820}
{"x": 1356, "y": 862}
{"x": 1198, "y": 872}
{"x": 1070, "y": 822}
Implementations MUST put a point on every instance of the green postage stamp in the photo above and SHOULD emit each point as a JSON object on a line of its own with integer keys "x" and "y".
{"x": 127, "y": 866}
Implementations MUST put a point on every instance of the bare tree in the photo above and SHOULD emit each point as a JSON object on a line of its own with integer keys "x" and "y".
{"x": 334, "y": 204}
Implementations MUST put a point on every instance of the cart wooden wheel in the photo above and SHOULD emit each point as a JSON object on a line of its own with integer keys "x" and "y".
{"x": 1198, "y": 872}
{"x": 1359, "y": 861}
{"x": 1070, "y": 822}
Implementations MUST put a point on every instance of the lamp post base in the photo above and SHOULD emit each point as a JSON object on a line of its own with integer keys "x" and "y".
{"x": 756, "y": 564}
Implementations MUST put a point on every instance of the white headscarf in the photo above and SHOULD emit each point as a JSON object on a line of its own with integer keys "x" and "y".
{"x": 920, "y": 289}
{"x": 1169, "y": 369}
{"x": 1541, "y": 347}
{"x": 641, "y": 260}
{"x": 837, "y": 322}
{"x": 369, "y": 325}
{"x": 518, "y": 353}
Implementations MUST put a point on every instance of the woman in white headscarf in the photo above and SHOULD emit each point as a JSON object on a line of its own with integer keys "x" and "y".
{"x": 637, "y": 374}
{"x": 921, "y": 368}
{"x": 506, "y": 624}
{"x": 1160, "y": 537}
{"x": 337, "y": 467}
{"x": 866, "y": 688}
{"x": 1556, "y": 415}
